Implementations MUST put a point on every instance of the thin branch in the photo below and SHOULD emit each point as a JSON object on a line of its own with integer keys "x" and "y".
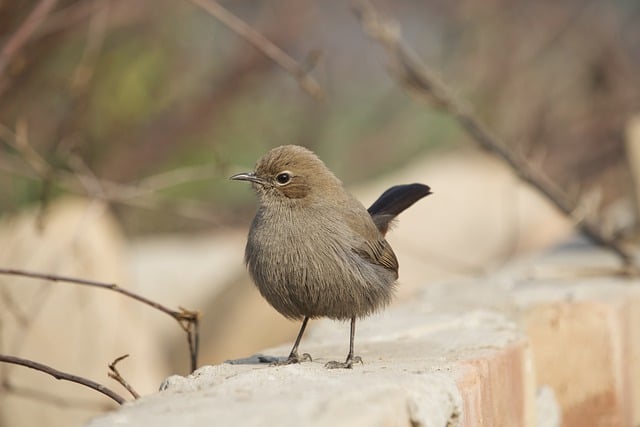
{"x": 59, "y": 375}
{"x": 263, "y": 44}
{"x": 187, "y": 319}
{"x": 122, "y": 194}
{"x": 95, "y": 39}
{"x": 175, "y": 177}
{"x": 24, "y": 32}
{"x": 79, "y": 13}
{"x": 115, "y": 374}
{"x": 632, "y": 149}
{"x": 193, "y": 339}
{"x": 144, "y": 195}
{"x": 415, "y": 75}
{"x": 86, "y": 177}
{"x": 20, "y": 143}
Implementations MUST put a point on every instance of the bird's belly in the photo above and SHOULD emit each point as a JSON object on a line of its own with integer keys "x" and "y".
{"x": 318, "y": 279}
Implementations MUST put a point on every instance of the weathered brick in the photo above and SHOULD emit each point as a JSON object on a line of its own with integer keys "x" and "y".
{"x": 586, "y": 351}
{"x": 497, "y": 388}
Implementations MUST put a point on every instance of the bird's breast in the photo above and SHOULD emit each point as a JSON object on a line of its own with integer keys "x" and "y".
{"x": 305, "y": 265}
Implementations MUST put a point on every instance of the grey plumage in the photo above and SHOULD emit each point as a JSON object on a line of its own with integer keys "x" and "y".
{"x": 313, "y": 249}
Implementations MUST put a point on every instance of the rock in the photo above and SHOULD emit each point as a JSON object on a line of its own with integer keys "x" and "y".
{"x": 421, "y": 368}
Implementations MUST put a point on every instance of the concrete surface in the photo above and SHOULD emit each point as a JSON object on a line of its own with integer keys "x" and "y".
{"x": 420, "y": 368}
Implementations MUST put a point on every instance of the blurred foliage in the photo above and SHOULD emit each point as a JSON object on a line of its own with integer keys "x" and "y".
{"x": 135, "y": 88}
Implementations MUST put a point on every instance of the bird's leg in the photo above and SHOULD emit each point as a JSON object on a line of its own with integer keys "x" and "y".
{"x": 351, "y": 359}
{"x": 293, "y": 356}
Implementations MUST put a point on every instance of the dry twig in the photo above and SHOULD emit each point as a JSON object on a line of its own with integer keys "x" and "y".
{"x": 145, "y": 194}
{"x": 95, "y": 38}
{"x": 24, "y": 32}
{"x": 115, "y": 374}
{"x": 416, "y": 76}
{"x": 187, "y": 319}
{"x": 59, "y": 375}
{"x": 263, "y": 44}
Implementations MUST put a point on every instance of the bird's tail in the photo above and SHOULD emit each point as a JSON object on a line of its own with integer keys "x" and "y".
{"x": 395, "y": 200}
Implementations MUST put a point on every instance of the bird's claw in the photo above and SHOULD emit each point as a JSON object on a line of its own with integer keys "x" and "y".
{"x": 293, "y": 358}
{"x": 347, "y": 364}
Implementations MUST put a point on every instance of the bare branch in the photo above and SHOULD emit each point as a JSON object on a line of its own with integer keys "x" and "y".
{"x": 122, "y": 194}
{"x": 632, "y": 147}
{"x": 59, "y": 375}
{"x": 86, "y": 177}
{"x": 416, "y": 76}
{"x": 24, "y": 32}
{"x": 174, "y": 177}
{"x": 95, "y": 38}
{"x": 143, "y": 195}
{"x": 187, "y": 319}
{"x": 263, "y": 44}
{"x": 20, "y": 142}
{"x": 115, "y": 374}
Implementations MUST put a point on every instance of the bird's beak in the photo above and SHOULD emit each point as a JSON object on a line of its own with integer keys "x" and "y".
{"x": 247, "y": 176}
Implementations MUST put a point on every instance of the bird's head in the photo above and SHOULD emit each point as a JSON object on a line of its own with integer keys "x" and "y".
{"x": 289, "y": 172}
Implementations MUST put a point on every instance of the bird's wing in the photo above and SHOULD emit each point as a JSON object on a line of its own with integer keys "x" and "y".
{"x": 378, "y": 252}
{"x": 371, "y": 245}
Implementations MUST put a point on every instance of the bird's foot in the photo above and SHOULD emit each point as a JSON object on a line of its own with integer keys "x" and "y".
{"x": 347, "y": 364}
{"x": 293, "y": 358}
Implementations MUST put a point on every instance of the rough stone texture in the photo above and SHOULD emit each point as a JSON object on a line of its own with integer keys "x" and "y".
{"x": 547, "y": 409}
{"x": 492, "y": 389}
{"x": 582, "y": 319}
{"x": 582, "y": 339}
{"x": 421, "y": 368}
{"x": 577, "y": 348}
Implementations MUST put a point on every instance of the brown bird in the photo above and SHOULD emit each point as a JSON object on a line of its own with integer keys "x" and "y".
{"x": 313, "y": 249}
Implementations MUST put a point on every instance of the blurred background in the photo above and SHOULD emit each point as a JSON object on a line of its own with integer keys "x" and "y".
{"x": 121, "y": 120}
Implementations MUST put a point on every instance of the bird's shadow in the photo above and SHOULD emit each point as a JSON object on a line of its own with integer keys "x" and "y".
{"x": 256, "y": 359}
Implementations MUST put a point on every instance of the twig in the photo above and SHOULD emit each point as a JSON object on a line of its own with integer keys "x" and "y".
{"x": 79, "y": 13}
{"x": 193, "y": 339}
{"x": 187, "y": 319}
{"x": 21, "y": 144}
{"x": 59, "y": 375}
{"x": 95, "y": 39}
{"x": 24, "y": 32}
{"x": 86, "y": 177}
{"x": 83, "y": 181}
{"x": 415, "y": 75}
{"x": 115, "y": 374}
{"x": 632, "y": 148}
{"x": 122, "y": 194}
{"x": 263, "y": 44}
{"x": 175, "y": 177}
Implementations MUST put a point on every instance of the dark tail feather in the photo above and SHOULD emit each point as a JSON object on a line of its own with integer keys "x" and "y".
{"x": 395, "y": 200}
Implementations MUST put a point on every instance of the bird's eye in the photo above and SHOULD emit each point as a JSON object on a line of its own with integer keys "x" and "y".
{"x": 283, "y": 178}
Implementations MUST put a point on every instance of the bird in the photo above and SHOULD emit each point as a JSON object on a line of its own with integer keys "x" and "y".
{"x": 313, "y": 250}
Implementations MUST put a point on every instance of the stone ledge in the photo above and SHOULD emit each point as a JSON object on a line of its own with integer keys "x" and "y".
{"x": 420, "y": 369}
